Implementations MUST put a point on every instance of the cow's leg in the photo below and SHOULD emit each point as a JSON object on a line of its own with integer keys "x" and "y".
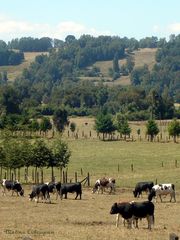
{"x": 173, "y": 196}
{"x": 129, "y": 222}
{"x": 150, "y": 221}
{"x": 12, "y": 193}
{"x": 160, "y": 197}
{"x": 135, "y": 222}
{"x": 48, "y": 197}
{"x": 4, "y": 191}
{"x": 65, "y": 195}
{"x": 117, "y": 219}
{"x": 76, "y": 195}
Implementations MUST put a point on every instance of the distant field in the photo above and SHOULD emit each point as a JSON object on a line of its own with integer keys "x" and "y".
{"x": 141, "y": 57}
{"x": 14, "y": 71}
{"x": 145, "y": 56}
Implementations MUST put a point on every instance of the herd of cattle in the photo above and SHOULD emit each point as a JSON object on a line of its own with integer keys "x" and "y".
{"x": 129, "y": 211}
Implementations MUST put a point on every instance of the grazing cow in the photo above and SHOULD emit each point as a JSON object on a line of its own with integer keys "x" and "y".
{"x": 38, "y": 191}
{"x": 14, "y": 186}
{"x": 103, "y": 183}
{"x": 142, "y": 187}
{"x": 133, "y": 210}
{"x": 54, "y": 188}
{"x": 71, "y": 188}
{"x": 162, "y": 189}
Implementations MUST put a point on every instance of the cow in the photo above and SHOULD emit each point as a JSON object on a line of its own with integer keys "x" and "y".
{"x": 54, "y": 188}
{"x": 133, "y": 211}
{"x": 142, "y": 187}
{"x": 38, "y": 191}
{"x": 14, "y": 186}
{"x": 103, "y": 183}
{"x": 162, "y": 189}
{"x": 71, "y": 188}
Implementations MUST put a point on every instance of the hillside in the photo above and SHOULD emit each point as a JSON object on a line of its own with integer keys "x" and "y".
{"x": 141, "y": 57}
{"x": 14, "y": 71}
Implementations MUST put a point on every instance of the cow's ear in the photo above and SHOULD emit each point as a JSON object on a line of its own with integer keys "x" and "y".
{"x": 115, "y": 204}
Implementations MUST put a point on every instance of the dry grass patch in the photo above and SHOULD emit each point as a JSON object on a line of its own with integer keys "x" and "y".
{"x": 15, "y": 71}
{"x": 88, "y": 218}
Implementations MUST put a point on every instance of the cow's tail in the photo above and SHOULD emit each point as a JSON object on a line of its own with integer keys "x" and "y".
{"x": 173, "y": 187}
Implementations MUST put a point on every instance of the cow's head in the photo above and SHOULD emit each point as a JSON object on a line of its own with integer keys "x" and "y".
{"x": 135, "y": 193}
{"x": 95, "y": 188}
{"x": 31, "y": 196}
{"x": 114, "y": 209}
{"x": 21, "y": 192}
{"x": 151, "y": 195}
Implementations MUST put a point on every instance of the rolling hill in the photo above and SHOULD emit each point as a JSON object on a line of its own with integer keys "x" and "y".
{"x": 141, "y": 57}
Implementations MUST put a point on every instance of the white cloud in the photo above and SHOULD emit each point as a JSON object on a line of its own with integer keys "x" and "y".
{"x": 10, "y": 29}
{"x": 167, "y": 30}
{"x": 174, "y": 28}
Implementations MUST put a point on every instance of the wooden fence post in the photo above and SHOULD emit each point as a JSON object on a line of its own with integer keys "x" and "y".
{"x": 37, "y": 177}
{"x": 88, "y": 179}
{"x": 132, "y": 167}
{"x": 32, "y": 175}
{"x": 75, "y": 177}
{"x": 63, "y": 177}
{"x": 118, "y": 167}
{"x": 81, "y": 172}
{"x": 176, "y": 163}
{"x": 66, "y": 176}
{"x": 162, "y": 164}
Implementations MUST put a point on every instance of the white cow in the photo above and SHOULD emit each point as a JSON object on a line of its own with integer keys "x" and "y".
{"x": 162, "y": 189}
{"x": 103, "y": 183}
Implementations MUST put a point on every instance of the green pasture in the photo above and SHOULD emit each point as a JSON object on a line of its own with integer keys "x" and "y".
{"x": 150, "y": 161}
{"x": 128, "y": 162}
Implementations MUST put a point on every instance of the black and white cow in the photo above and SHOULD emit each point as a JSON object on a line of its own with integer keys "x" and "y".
{"x": 134, "y": 210}
{"x": 162, "y": 189}
{"x": 14, "y": 186}
{"x": 103, "y": 183}
{"x": 54, "y": 188}
{"x": 40, "y": 191}
{"x": 71, "y": 188}
{"x": 142, "y": 187}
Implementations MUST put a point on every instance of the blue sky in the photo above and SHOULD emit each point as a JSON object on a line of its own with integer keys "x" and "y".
{"x": 59, "y": 18}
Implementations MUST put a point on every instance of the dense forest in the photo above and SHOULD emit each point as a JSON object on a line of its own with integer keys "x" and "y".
{"x": 53, "y": 81}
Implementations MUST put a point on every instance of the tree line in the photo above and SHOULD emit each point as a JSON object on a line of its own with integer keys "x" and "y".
{"x": 16, "y": 153}
{"x": 106, "y": 124}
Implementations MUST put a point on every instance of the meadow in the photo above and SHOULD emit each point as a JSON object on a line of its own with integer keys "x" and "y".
{"x": 89, "y": 218}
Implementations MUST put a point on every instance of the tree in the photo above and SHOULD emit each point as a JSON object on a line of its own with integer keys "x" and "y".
{"x": 60, "y": 156}
{"x": 116, "y": 68}
{"x": 152, "y": 129}
{"x": 60, "y": 119}
{"x": 41, "y": 155}
{"x": 122, "y": 125}
{"x": 45, "y": 125}
{"x": 174, "y": 129}
{"x": 72, "y": 127}
{"x": 104, "y": 124}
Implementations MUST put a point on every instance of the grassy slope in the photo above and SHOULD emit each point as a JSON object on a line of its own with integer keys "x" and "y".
{"x": 141, "y": 57}
{"x": 14, "y": 71}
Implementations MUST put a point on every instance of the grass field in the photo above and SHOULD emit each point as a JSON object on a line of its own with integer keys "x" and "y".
{"x": 88, "y": 218}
